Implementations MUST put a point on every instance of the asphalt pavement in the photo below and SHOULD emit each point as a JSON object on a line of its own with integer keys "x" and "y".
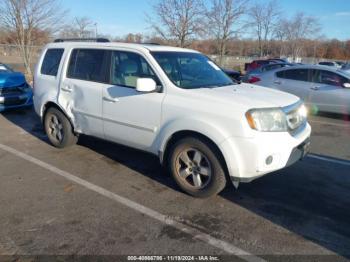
{"x": 103, "y": 199}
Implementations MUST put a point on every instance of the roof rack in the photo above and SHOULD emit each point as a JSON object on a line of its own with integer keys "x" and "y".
{"x": 151, "y": 43}
{"x": 98, "y": 40}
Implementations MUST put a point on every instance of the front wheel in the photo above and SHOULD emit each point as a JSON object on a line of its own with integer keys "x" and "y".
{"x": 58, "y": 129}
{"x": 196, "y": 167}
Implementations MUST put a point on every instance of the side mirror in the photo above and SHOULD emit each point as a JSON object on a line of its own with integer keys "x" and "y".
{"x": 346, "y": 85}
{"x": 146, "y": 85}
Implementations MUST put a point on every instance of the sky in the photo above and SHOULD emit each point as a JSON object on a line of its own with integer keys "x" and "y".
{"x": 120, "y": 17}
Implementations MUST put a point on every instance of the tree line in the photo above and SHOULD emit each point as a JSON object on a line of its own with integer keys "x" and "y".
{"x": 220, "y": 27}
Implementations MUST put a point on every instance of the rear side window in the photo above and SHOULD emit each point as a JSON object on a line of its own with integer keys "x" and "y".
{"x": 89, "y": 65}
{"x": 51, "y": 62}
{"x": 295, "y": 74}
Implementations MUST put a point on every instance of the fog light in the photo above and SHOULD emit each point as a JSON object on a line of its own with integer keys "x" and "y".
{"x": 269, "y": 160}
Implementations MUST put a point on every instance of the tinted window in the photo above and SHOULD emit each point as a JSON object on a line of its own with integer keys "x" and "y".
{"x": 295, "y": 74}
{"x": 51, "y": 62}
{"x": 326, "y": 63}
{"x": 89, "y": 65}
{"x": 127, "y": 67}
{"x": 328, "y": 78}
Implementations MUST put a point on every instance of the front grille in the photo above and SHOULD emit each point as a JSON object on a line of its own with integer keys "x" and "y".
{"x": 14, "y": 101}
{"x": 11, "y": 90}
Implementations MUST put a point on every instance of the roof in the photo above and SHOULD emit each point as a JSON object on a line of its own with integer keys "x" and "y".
{"x": 139, "y": 47}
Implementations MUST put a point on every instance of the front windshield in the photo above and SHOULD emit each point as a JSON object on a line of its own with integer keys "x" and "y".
{"x": 191, "y": 70}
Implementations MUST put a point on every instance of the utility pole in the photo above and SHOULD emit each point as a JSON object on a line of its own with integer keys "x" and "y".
{"x": 95, "y": 29}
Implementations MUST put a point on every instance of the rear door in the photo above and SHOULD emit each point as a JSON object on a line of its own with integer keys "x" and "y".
{"x": 81, "y": 89}
{"x": 328, "y": 93}
{"x": 294, "y": 81}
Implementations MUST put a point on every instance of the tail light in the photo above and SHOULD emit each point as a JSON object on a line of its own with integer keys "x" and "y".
{"x": 254, "y": 79}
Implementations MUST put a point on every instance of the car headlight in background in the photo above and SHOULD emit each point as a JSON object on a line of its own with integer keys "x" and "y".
{"x": 267, "y": 120}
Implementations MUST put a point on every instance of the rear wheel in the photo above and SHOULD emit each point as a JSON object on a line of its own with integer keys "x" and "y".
{"x": 196, "y": 167}
{"x": 58, "y": 129}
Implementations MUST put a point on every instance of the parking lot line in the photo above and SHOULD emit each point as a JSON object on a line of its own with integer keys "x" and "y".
{"x": 329, "y": 123}
{"x": 336, "y": 161}
{"x": 195, "y": 233}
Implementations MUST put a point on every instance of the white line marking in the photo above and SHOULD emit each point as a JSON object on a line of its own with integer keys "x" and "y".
{"x": 329, "y": 123}
{"x": 196, "y": 234}
{"x": 342, "y": 162}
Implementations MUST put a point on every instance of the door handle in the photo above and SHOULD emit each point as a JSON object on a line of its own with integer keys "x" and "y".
{"x": 67, "y": 89}
{"x": 277, "y": 82}
{"x": 315, "y": 88}
{"x": 111, "y": 100}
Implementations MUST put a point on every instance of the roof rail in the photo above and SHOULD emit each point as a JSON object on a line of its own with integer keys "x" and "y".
{"x": 98, "y": 40}
{"x": 151, "y": 43}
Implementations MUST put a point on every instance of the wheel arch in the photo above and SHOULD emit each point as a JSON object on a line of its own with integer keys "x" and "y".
{"x": 51, "y": 104}
{"x": 187, "y": 133}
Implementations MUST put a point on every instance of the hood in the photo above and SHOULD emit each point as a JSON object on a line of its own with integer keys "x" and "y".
{"x": 248, "y": 95}
{"x": 11, "y": 79}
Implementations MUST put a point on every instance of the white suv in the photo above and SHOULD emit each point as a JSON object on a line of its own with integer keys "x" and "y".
{"x": 175, "y": 103}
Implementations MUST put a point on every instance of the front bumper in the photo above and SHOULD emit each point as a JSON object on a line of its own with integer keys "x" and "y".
{"x": 250, "y": 158}
{"x": 16, "y": 101}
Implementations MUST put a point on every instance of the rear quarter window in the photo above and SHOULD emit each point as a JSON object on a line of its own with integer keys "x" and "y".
{"x": 51, "y": 62}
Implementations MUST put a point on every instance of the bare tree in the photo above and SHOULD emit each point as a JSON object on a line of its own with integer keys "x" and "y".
{"x": 80, "y": 27}
{"x": 84, "y": 26}
{"x": 178, "y": 20}
{"x": 23, "y": 18}
{"x": 221, "y": 18}
{"x": 263, "y": 18}
{"x": 296, "y": 30}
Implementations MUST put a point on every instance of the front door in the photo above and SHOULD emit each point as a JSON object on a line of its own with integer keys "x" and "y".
{"x": 130, "y": 117}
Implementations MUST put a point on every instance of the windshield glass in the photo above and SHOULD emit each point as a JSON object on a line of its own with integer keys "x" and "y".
{"x": 191, "y": 70}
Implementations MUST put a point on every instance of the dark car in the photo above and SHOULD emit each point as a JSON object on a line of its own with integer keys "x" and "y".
{"x": 14, "y": 90}
{"x": 233, "y": 74}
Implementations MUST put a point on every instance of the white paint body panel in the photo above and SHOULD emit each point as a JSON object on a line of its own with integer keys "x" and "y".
{"x": 148, "y": 120}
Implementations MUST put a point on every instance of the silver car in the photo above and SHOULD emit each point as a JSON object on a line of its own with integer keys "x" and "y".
{"x": 322, "y": 88}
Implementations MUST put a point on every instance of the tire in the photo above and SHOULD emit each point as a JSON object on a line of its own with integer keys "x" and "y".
{"x": 186, "y": 170}
{"x": 58, "y": 129}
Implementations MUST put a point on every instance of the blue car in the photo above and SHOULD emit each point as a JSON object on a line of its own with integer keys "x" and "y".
{"x": 14, "y": 90}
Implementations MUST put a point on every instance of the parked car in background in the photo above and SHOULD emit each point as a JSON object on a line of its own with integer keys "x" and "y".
{"x": 332, "y": 64}
{"x": 253, "y": 75}
{"x": 174, "y": 103}
{"x": 258, "y": 63}
{"x": 233, "y": 74}
{"x": 323, "y": 88}
{"x": 262, "y": 62}
{"x": 346, "y": 68}
{"x": 15, "y": 92}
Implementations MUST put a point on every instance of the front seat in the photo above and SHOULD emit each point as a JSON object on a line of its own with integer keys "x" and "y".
{"x": 129, "y": 70}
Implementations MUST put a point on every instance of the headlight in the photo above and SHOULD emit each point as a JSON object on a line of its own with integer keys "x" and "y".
{"x": 267, "y": 120}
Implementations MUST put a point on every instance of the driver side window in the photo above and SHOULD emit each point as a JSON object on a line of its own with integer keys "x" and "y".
{"x": 127, "y": 67}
